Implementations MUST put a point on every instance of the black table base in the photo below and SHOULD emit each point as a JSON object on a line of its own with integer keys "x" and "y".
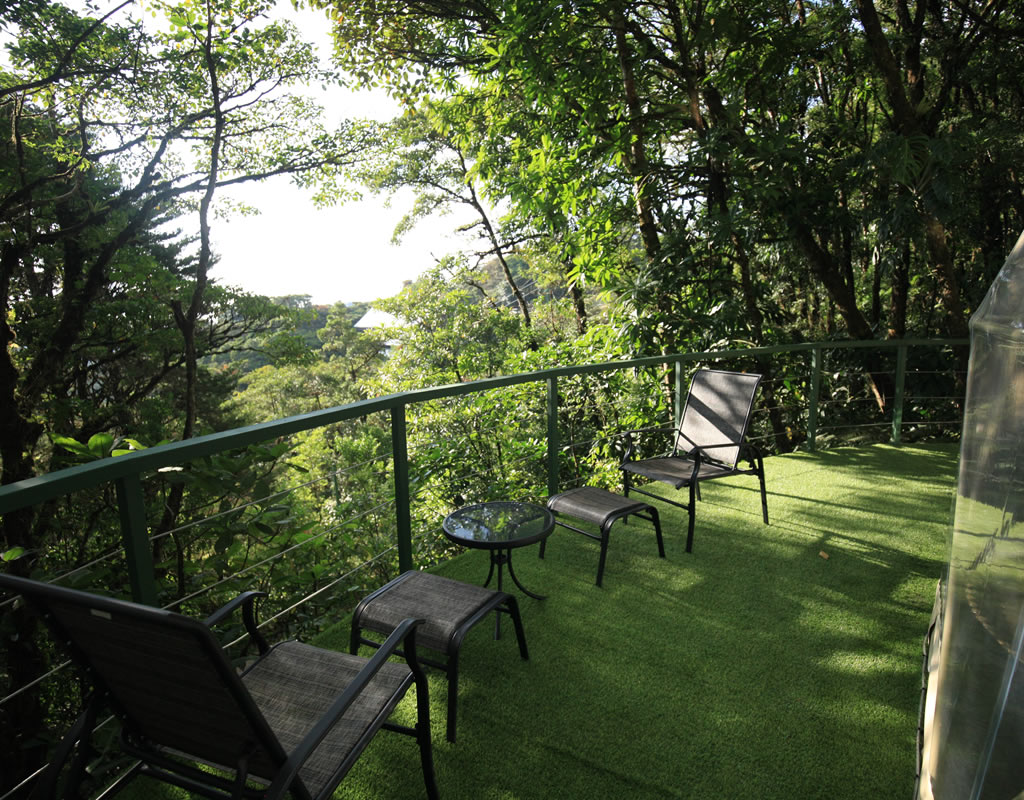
{"x": 498, "y": 559}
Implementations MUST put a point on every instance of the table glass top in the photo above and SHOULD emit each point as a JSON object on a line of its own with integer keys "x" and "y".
{"x": 500, "y": 524}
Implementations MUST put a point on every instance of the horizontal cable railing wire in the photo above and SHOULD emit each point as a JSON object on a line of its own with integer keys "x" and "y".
{"x": 275, "y": 557}
{"x": 322, "y": 590}
{"x": 32, "y": 684}
{"x": 269, "y": 498}
{"x": 203, "y": 590}
{"x": 480, "y": 473}
{"x": 28, "y": 780}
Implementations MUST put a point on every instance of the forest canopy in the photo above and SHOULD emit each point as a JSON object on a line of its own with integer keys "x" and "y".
{"x": 769, "y": 170}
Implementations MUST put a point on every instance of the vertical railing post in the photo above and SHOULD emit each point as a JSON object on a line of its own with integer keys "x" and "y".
{"x": 897, "y": 401}
{"x": 131, "y": 504}
{"x": 554, "y": 443}
{"x": 812, "y": 400}
{"x": 403, "y": 516}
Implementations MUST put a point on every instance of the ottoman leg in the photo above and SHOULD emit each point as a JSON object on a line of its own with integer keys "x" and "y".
{"x": 604, "y": 550}
{"x": 453, "y": 692}
{"x": 657, "y": 530}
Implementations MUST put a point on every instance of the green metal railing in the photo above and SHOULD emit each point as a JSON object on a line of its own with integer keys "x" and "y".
{"x": 126, "y": 471}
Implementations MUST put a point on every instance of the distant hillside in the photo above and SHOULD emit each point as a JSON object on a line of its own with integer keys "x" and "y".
{"x": 311, "y": 319}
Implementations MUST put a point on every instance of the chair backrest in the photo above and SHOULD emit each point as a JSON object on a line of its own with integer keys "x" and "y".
{"x": 717, "y": 412}
{"x": 165, "y": 675}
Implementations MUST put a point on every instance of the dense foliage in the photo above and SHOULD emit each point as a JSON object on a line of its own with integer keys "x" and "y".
{"x": 757, "y": 171}
{"x": 119, "y": 132}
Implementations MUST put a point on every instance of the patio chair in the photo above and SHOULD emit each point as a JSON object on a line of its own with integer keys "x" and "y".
{"x": 290, "y": 724}
{"x": 708, "y": 444}
{"x": 449, "y": 609}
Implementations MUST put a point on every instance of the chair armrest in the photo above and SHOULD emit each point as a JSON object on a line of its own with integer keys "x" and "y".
{"x": 753, "y": 454}
{"x": 246, "y": 600}
{"x": 405, "y": 630}
{"x": 698, "y": 453}
{"x": 745, "y": 450}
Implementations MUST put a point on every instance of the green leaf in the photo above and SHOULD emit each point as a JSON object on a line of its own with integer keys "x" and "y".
{"x": 100, "y": 444}
{"x": 133, "y": 445}
{"x": 224, "y": 540}
{"x": 13, "y": 554}
{"x": 69, "y": 444}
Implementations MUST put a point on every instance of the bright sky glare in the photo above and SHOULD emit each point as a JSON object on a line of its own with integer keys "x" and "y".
{"x": 342, "y": 253}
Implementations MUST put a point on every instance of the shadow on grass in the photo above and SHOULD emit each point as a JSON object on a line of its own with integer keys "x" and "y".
{"x": 753, "y": 667}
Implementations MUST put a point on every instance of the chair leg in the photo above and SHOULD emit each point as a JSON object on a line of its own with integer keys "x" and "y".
{"x": 764, "y": 494}
{"x": 423, "y": 736}
{"x": 692, "y": 510}
{"x": 517, "y": 622}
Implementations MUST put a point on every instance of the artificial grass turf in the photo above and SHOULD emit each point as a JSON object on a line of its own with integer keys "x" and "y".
{"x": 753, "y": 667}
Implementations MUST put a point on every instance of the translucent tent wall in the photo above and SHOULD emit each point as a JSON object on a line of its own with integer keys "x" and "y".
{"x": 973, "y": 733}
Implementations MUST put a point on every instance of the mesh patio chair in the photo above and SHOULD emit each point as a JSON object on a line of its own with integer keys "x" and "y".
{"x": 291, "y": 724}
{"x": 449, "y": 609}
{"x": 709, "y": 442}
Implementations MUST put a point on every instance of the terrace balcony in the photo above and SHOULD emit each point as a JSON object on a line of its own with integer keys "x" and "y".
{"x": 773, "y": 661}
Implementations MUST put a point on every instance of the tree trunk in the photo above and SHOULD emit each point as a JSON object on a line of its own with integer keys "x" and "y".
{"x": 187, "y": 319}
{"x": 831, "y": 276}
{"x": 900, "y": 294}
{"x": 829, "y": 273}
{"x": 945, "y": 274}
{"x": 636, "y": 156}
{"x": 909, "y": 121}
{"x": 579, "y": 307}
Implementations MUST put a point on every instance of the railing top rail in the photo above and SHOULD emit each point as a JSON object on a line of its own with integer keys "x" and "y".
{"x": 43, "y": 488}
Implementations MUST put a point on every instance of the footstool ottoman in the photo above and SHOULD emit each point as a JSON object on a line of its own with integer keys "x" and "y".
{"x": 449, "y": 609}
{"x": 602, "y": 508}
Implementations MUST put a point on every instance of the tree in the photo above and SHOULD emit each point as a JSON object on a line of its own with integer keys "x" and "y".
{"x": 446, "y": 336}
{"x": 832, "y": 148}
{"x": 100, "y": 114}
{"x": 116, "y": 128}
{"x": 357, "y": 353}
{"x": 418, "y": 151}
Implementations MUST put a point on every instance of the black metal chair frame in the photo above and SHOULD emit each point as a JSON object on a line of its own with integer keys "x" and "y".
{"x": 606, "y": 521}
{"x": 699, "y": 454}
{"x": 500, "y": 602}
{"x": 168, "y": 763}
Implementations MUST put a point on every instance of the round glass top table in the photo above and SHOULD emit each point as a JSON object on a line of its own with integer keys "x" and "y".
{"x": 499, "y": 527}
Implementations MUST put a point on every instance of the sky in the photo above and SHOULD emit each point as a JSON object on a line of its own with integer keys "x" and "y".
{"x": 342, "y": 253}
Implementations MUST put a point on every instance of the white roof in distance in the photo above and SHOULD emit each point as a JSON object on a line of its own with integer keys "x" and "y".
{"x": 375, "y": 318}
